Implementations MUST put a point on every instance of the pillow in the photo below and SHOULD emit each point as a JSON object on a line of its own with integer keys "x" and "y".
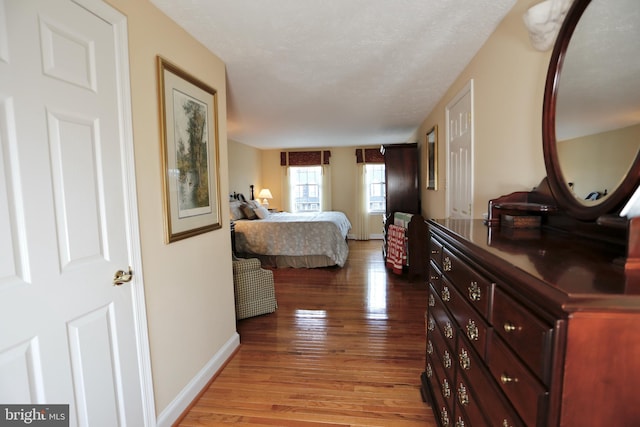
{"x": 235, "y": 211}
{"x": 261, "y": 212}
{"x": 247, "y": 210}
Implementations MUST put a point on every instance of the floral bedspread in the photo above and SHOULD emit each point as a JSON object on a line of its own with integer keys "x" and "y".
{"x": 296, "y": 234}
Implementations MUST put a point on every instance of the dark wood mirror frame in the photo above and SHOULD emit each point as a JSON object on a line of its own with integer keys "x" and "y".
{"x": 562, "y": 194}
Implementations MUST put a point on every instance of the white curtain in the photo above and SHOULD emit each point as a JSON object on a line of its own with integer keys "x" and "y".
{"x": 286, "y": 189}
{"x": 325, "y": 203}
{"x": 361, "y": 222}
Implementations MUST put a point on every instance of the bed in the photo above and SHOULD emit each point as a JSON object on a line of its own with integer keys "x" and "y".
{"x": 298, "y": 240}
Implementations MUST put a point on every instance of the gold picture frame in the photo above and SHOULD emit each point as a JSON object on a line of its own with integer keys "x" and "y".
{"x": 432, "y": 158}
{"x": 189, "y": 145}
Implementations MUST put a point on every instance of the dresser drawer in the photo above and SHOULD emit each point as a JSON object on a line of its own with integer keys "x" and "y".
{"x": 442, "y": 407}
{"x": 529, "y": 336}
{"x": 523, "y": 389}
{"x": 494, "y": 405}
{"x": 441, "y": 349}
{"x": 472, "y": 325}
{"x": 435, "y": 276}
{"x": 444, "y": 385}
{"x": 435, "y": 252}
{"x": 443, "y": 321}
{"x": 474, "y": 286}
{"x": 467, "y": 404}
{"x": 461, "y": 419}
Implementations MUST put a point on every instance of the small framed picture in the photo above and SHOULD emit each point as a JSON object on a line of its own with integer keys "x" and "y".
{"x": 432, "y": 158}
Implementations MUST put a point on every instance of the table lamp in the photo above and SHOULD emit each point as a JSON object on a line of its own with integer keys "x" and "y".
{"x": 265, "y": 195}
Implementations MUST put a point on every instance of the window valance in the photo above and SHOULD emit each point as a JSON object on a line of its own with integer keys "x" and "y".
{"x": 369, "y": 155}
{"x": 304, "y": 158}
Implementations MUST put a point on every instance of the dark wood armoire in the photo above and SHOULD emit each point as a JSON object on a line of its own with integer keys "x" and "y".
{"x": 402, "y": 176}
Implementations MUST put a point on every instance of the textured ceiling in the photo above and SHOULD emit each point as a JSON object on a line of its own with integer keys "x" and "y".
{"x": 305, "y": 73}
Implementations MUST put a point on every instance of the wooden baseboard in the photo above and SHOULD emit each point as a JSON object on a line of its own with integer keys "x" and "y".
{"x": 178, "y": 408}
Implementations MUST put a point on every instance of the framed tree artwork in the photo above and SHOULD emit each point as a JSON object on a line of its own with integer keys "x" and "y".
{"x": 189, "y": 139}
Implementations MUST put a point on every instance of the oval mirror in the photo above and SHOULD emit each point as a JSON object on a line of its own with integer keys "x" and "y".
{"x": 591, "y": 112}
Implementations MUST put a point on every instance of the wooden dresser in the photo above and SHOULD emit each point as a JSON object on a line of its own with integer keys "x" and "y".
{"x": 529, "y": 327}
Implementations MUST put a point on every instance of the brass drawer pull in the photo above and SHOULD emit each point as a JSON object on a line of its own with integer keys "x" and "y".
{"x": 446, "y": 389}
{"x": 460, "y": 422}
{"x": 445, "y": 294}
{"x": 446, "y": 264}
{"x": 472, "y": 331}
{"x": 432, "y": 301}
{"x": 475, "y": 293}
{"x": 463, "y": 396}
{"x": 429, "y": 347}
{"x": 464, "y": 360}
{"x": 429, "y": 370}
{"x": 510, "y": 327}
{"x": 446, "y": 357}
{"x": 505, "y": 423}
{"x": 506, "y": 379}
{"x": 432, "y": 324}
{"x": 448, "y": 330}
{"x": 444, "y": 417}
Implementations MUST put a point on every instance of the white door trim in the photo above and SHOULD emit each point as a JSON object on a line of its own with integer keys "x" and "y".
{"x": 468, "y": 88}
{"x": 119, "y": 23}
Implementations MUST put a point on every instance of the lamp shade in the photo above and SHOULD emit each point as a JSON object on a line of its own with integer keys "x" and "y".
{"x": 265, "y": 193}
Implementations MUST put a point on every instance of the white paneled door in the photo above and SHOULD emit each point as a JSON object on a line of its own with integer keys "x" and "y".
{"x": 68, "y": 334}
{"x": 460, "y": 154}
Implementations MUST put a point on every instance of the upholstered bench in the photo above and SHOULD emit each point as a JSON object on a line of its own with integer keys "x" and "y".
{"x": 254, "y": 289}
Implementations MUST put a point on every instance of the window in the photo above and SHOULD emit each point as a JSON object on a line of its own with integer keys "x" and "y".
{"x": 376, "y": 188}
{"x": 306, "y": 188}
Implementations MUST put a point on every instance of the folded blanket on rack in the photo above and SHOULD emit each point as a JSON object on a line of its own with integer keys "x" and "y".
{"x": 396, "y": 248}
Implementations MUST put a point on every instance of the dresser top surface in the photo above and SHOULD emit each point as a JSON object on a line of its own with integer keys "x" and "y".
{"x": 579, "y": 274}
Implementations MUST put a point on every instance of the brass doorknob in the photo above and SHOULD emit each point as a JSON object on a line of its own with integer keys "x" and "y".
{"x": 122, "y": 277}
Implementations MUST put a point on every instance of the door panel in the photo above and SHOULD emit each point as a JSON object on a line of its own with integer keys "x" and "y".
{"x": 20, "y": 366}
{"x": 13, "y": 246}
{"x": 460, "y": 150}
{"x": 94, "y": 357}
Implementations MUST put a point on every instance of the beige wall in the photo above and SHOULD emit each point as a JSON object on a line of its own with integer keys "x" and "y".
{"x": 592, "y": 165}
{"x": 509, "y": 79}
{"x": 245, "y": 168}
{"x": 188, "y": 284}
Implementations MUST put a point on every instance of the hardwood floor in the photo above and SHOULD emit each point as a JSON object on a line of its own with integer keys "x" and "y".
{"x": 345, "y": 347}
